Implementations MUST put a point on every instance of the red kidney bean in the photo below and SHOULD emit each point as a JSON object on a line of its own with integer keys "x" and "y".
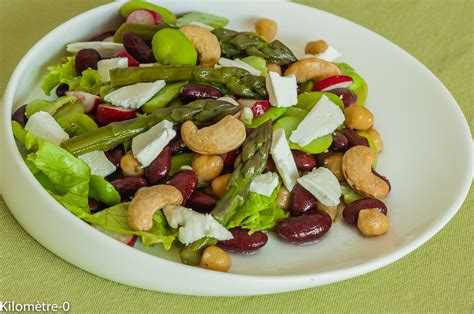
{"x": 20, "y": 116}
{"x": 186, "y": 181}
{"x": 347, "y": 96}
{"x": 304, "y": 229}
{"x": 260, "y": 107}
{"x": 354, "y": 139}
{"x": 177, "y": 146}
{"x": 103, "y": 36}
{"x": 229, "y": 157}
{"x": 138, "y": 48}
{"x": 94, "y": 206}
{"x": 301, "y": 201}
{"x": 351, "y": 211}
{"x": 61, "y": 90}
{"x": 202, "y": 202}
{"x": 383, "y": 178}
{"x": 243, "y": 242}
{"x": 115, "y": 154}
{"x": 249, "y": 131}
{"x": 340, "y": 143}
{"x": 304, "y": 161}
{"x": 86, "y": 58}
{"x": 270, "y": 166}
{"x": 193, "y": 92}
{"x": 128, "y": 186}
{"x": 159, "y": 168}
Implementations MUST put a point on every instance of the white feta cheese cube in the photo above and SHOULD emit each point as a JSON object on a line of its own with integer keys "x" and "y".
{"x": 98, "y": 162}
{"x": 323, "y": 184}
{"x": 283, "y": 159}
{"x": 104, "y": 48}
{"x": 323, "y": 119}
{"x": 238, "y": 64}
{"x": 282, "y": 90}
{"x": 329, "y": 55}
{"x": 148, "y": 145}
{"x": 104, "y": 66}
{"x": 134, "y": 96}
{"x": 264, "y": 184}
{"x": 44, "y": 126}
{"x": 194, "y": 225}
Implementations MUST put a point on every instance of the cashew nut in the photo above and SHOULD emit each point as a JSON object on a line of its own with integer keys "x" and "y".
{"x": 205, "y": 42}
{"x": 357, "y": 169}
{"x": 219, "y": 138}
{"x": 147, "y": 201}
{"x": 312, "y": 69}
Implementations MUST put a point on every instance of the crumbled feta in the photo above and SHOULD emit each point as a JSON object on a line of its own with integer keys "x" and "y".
{"x": 322, "y": 120}
{"x": 148, "y": 145}
{"x": 264, "y": 184}
{"x": 329, "y": 55}
{"x": 283, "y": 159}
{"x": 104, "y": 48}
{"x": 194, "y": 225}
{"x": 104, "y": 66}
{"x": 134, "y": 96}
{"x": 282, "y": 90}
{"x": 238, "y": 64}
{"x": 44, "y": 126}
{"x": 323, "y": 184}
{"x": 98, "y": 162}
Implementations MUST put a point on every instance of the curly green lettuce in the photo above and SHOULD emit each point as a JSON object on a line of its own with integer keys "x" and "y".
{"x": 65, "y": 73}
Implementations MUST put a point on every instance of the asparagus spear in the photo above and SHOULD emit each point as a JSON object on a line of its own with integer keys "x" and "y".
{"x": 251, "y": 163}
{"x": 113, "y": 134}
{"x": 241, "y": 44}
{"x": 239, "y": 81}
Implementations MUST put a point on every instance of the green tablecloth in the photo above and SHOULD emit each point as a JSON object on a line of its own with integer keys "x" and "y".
{"x": 437, "y": 277}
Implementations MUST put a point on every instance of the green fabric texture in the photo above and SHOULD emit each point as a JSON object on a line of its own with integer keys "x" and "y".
{"x": 438, "y": 277}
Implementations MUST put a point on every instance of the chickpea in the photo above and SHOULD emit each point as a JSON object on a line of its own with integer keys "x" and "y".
{"x": 215, "y": 258}
{"x": 283, "y": 198}
{"x": 219, "y": 185}
{"x": 130, "y": 166}
{"x": 375, "y": 135}
{"x": 315, "y": 47}
{"x": 273, "y": 67}
{"x": 333, "y": 161}
{"x": 266, "y": 28}
{"x": 330, "y": 210}
{"x": 359, "y": 117}
{"x": 207, "y": 167}
{"x": 372, "y": 222}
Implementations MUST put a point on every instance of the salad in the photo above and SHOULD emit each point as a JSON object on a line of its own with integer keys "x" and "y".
{"x": 177, "y": 131}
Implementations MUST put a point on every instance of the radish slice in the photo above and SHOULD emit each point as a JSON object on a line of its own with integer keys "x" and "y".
{"x": 132, "y": 62}
{"x": 107, "y": 114}
{"x": 132, "y": 241}
{"x": 260, "y": 107}
{"x": 144, "y": 16}
{"x": 333, "y": 82}
{"x": 89, "y": 101}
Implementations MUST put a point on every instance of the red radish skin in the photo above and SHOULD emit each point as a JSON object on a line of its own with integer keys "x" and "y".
{"x": 132, "y": 62}
{"x": 260, "y": 107}
{"x": 332, "y": 82}
{"x": 107, "y": 114}
{"x": 89, "y": 101}
{"x": 144, "y": 16}
{"x": 132, "y": 241}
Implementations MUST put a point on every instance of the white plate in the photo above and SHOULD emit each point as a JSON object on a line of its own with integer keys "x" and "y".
{"x": 427, "y": 157}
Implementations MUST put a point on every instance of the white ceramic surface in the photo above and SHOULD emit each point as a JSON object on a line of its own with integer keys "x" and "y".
{"x": 429, "y": 167}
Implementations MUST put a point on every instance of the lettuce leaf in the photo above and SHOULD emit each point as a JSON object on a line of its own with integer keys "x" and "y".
{"x": 64, "y": 176}
{"x": 65, "y": 73}
{"x": 259, "y": 212}
{"x": 115, "y": 219}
